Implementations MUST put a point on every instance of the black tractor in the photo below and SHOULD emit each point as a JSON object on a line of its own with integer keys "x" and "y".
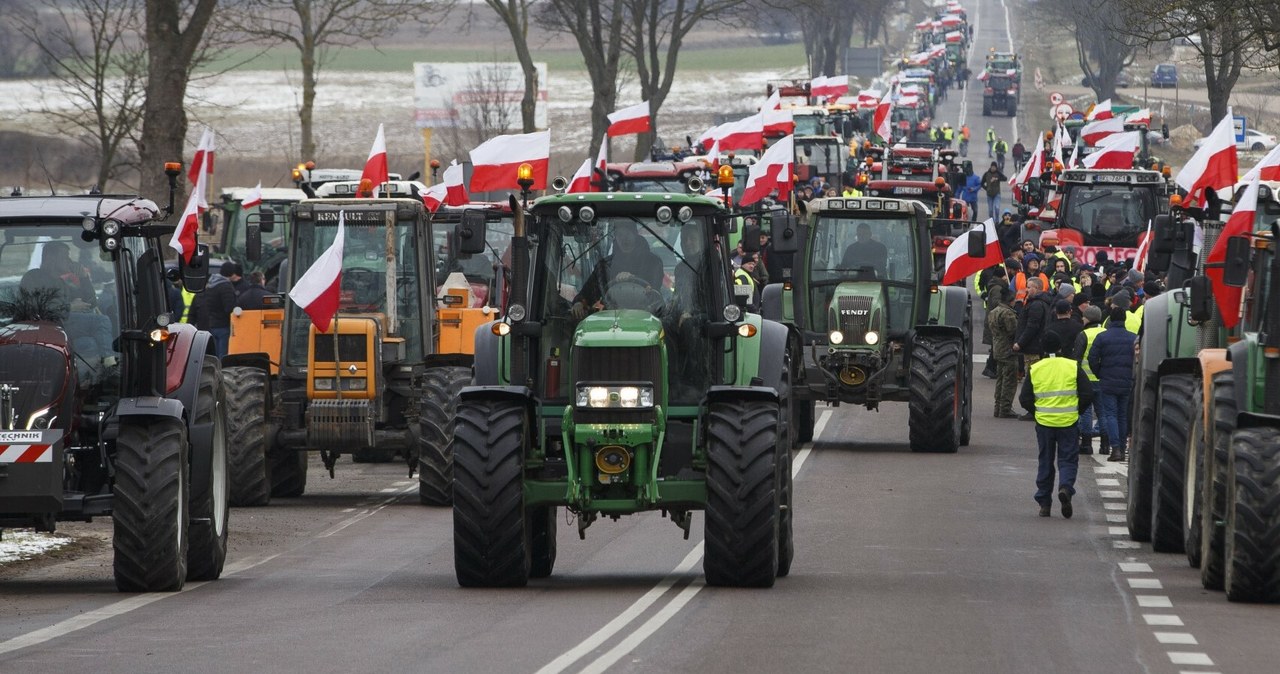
{"x": 107, "y": 406}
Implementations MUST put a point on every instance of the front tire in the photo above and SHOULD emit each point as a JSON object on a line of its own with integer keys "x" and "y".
{"x": 1216, "y": 474}
{"x": 490, "y": 534}
{"x": 149, "y": 514}
{"x": 935, "y": 395}
{"x": 1169, "y": 465}
{"x": 742, "y": 524}
{"x": 247, "y": 426}
{"x": 1193, "y": 481}
{"x": 1253, "y": 519}
{"x": 438, "y": 408}
{"x": 211, "y": 500}
{"x": 1138, "y": 510}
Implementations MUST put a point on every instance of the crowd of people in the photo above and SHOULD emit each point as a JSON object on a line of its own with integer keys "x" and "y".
{"x": 211, "y": 310}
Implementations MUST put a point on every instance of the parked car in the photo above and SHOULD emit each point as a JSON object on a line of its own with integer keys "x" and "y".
{"x": 1164, "y": 75}
{"x": 1122, "y": 80}
{"x": 1254, "y": 140}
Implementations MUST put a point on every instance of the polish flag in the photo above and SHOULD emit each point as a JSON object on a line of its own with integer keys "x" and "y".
{"x": 253, "y": 198}
{"x": 984, "y": 76}
{"x": 455, "y": 191}
{"x": 1144, "y": 247}
{"x": 203, "y": 156}
{"x": 1239, "y": 224}
{"x": 434, "y": 196}
{"x": 317, "y": 292}
{"x": 1142, "y": 117}
{"x": 581, "y": 180}
{"x": 744, "y": 134}
{"x": 1073, "y": 161}
{"x": 1115, "y": 152}
{"x": 1032, "y": 169}
{"x": 884, "y": 112}
{"x": 1267, "y": 169}
{"x": 375, "y": 167}
{"x": 777, "y": 122}
{"x": 601, "y": 178}
{"x": 630, "y": 120}
{"x": 960, "y": 266}
{"x": 713, "y": 156}
{"x": 1213, "y": 166}
{"x": 955, "y": 37}
{"x": 1094, "y": 132}
{"x": 184, "y": 235}
{"x": 496, "y": 160}
{"x": 1100, "y": 112}
{"x": 834, "y": 86}
{"x": 773, "y": 171}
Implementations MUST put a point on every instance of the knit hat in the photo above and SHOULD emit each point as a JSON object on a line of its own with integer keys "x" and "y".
{"x": 1066, "y": 290}
{"x": 1134, "y": 277}
{"x": 1012, "y": 263}
{"x": 1051, "y": 342}
{"x": 1093, "y": 314}
{"x": 1062, "y": 307}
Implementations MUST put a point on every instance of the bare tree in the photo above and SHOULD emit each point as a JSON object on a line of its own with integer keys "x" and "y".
{"x": 1103, "y": 50}
{"x": 18, "y": 55}
{"x": 658, "y": 29}
{"x": 175, "y": 33}
{"x": 488, "y": 112}
{"x": 95, "y": 53}
{"x": 317, "y": 28}
{"x": 597, "y": 27}
{"x": 826, "y": 27}
{"x": 514, "y": 14}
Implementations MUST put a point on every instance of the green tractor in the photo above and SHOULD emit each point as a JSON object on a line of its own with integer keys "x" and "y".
{"x": 874, "y": 324}
{"x": 625, "y": 377}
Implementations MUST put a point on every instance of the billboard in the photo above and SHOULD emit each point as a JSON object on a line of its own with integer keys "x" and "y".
{"x": 474, "y": 95}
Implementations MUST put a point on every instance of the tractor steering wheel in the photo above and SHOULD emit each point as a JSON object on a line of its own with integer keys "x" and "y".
{"x": 632, "y": 293}
{"x": 363, "y": 284}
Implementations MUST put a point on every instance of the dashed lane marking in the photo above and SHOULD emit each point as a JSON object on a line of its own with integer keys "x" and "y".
{"x": 1115, "y": 517}
{"x": 1145, "y": 583}
{"x": 1162, "y": 620}
{"x": 1118, "y": 531}
{"x": 1153, "y": 601}
{"x": 1113, "y": 506}
{"x": 366, "y": 513}
{"x": 1135, "y": 567}
{"x": 1182, "y": 638}
{"x": 1183, "y": 658}
{"x": 1111, "y": 493}
{"x": 1126, "y": 545}
{"x": 1108, "y": 482}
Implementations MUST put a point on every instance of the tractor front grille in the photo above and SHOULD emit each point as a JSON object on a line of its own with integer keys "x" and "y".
{"x": 351, "y": 348}
{"x": 855, "y": 318}
{"x": 631, "y": 364}
{"x": 37, "y": 372}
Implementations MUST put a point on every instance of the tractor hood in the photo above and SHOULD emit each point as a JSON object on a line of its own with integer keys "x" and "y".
{"x": 618, "y": 327}
{"x": 36, "y": 360}
{"x": 857, "y": 310}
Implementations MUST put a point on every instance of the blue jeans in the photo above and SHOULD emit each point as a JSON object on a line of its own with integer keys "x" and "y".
{"x": 993, "y": 207}
{"x": 221, "y": 340}
{"x": 1088, "y": 425}
{"x": 1114, "y": 408}
{"x": 1062, "y": 445}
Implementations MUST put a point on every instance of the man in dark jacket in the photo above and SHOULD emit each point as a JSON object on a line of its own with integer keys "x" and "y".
{"x": 1111, "y": 361}
{"x": 251, "y": 297}
{"x": 1064, "y": 324}
{"x": 1056, "y": 390}
{"x": 212, "y": 308}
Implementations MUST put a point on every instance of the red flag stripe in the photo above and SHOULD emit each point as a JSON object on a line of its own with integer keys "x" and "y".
{"x": 491, "y": 177}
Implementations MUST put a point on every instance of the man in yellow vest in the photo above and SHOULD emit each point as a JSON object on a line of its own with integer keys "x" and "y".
{"x": 745, "y": 276}
{"x": 1056, "y": 390}
{"x": 1088, "y": 426}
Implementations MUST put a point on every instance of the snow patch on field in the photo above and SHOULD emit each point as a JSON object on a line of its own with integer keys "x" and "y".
{"x": 25, "y": 544}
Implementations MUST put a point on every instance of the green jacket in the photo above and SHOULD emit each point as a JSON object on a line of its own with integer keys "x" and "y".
{"x": 1002, "y": 323}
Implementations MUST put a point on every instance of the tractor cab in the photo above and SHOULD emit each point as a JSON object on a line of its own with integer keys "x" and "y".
{"x": 672, "y": 177}
{"x": 1105, "y": 209}
{"x": 819, "y": 156}
{"x": 258, "y": 236}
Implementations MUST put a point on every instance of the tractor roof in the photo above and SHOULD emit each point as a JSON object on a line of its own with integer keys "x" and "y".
{"x": 653, "y": 169}
{"x": 127, "y": 209}
{"x": 597, "y": 198}
{"x": 870, "y": 207}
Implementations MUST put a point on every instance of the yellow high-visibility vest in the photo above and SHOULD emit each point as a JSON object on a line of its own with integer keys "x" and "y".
{"x": 1054, "y": 381}
{"x": 1090, "y": 333}
{"x": 187, "y": 298}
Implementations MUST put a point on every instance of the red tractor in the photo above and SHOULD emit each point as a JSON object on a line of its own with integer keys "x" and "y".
{"x": 108, "y": 406}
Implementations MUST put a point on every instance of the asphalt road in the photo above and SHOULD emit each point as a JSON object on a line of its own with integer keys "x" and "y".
{"x": 904, "y": 563}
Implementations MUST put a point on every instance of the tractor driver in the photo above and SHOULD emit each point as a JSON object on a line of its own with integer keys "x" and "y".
{"x": 865, "y": 251}
{"x": 90, "y": 331}
{"x": 630, "y": 261}
{"x": 688, "y": 352}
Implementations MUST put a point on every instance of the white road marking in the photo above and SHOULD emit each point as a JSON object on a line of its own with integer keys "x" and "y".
{"x": 1176, "y": 638}
{"x": 1153, "y": 601}
{"x": 664, "y": 615}
{"x": 1162, "y": 620}
{"x": 1111, "y": 493}
{"x": 1180, "y": 658}
{"x": 1126, "y": 545}
{"x": 1115, "y": 517}
{"x": 1118, "y": 531}
{"x": 1145, "y": 583}
{"x": 362, "y": 515}
{"x": 1113, "y": 506}
{"x": 1135, "y": 567}
{"x": 1108, "y": 482}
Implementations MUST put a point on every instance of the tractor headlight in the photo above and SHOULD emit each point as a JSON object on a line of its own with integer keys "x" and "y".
{"x": 110, "y": 244}
{"x": 516, "y": 312}
{"x": 872, "y": 337}
{"x": 324, "y": 383}
{"x": 355, "y": 383}
{"x": 629, "y": 397}
{"x": 111, "y": 227}
{"x": 836, "y": 337}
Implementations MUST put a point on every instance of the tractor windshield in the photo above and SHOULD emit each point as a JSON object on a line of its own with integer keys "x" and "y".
{"x": 810, "y": 125}
{"x": 1109, "y": 216}
{"x": 820, "y": 156}
{"x": 672, "y": 185}
{"x": 48, "y": 273}
{"x": 274, "y": 243}
{"x": 364, "y": 275}
{"x": 850, "y": 249}
{"x": 479, "y": 271}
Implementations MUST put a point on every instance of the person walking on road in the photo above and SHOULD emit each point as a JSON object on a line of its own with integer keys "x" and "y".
{"x": 1002, "y": 148}
{"x": 964, "y": 140}
{"x": 991, "y": 141}
{"x": 1002, "y": 325}
{"x": 1089, "y": 418}
{"x": 1031, "y": 324}
{"x": 1019, "y": 153}
{"x": 1111, "y": 361}
{"x": 991, "y": 182}
{"x": 1056, "y": 390}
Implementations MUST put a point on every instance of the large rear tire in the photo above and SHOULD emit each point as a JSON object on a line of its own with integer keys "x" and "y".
{"x": 742, "y": 494}
{"x": 1138, "y": 510}
{"x": 935, "y": 395}
{"x": 1252, "y": 550}
{"x": 437, "y": 410}
{"x": 149, "y": 514}
{"x": 966, "y": 410}
{"x": 806, "y": 414}
{"x": 1169, "y": 464}
{"x": 542, "y": 541}
{"x": 1193, "y": 481}
{"x": 786, "y": 516}
{"x": 1216, "y": 472}
{"x": 210, "y": 499}
{"x": 491, "y": 545}
{"x": 248, "y": 441}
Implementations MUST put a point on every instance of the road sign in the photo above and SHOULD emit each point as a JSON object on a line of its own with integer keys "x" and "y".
{"x": 1241, "y": 125}
{"x": 1061, "y": 111}
{"x": 1056, "y": 98}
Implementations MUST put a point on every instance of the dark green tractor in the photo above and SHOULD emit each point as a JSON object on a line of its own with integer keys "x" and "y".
{"x": 624, "y": 378}
{"x": 874, "y": 324}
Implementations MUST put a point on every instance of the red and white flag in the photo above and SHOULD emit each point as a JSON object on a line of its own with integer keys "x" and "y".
{"x": 713, "y": 157}
{"x": 1144, "y": 246}
{"x": 1115, "y": 151}
{"x": 184, "y": 235}
{"x": 1213, "y": 167}
{"x": 1267, "y": 169}
{"x": 253, "y": 198}
{"x": 831, "y": 87}
{"x": 1100, "y": 112}
{"x": 777, "y": 122}
{"x": 772, "y": 172}
{"x": 375, "y": 167}
{"x": 1032, "y": 169}
{"x": 630, "y": 120}
{"x": 1094, "y": 132}
{"x": 744, "y": 134}
{"x": 203, "y": 158}
{"x": 587, "y": 179}
{"x": 1239, "y": 224}
{"x": 1142, "y": 117}
{"x": 581, "y": 180}
{"x": 434, "y": 197}
{"x": 455, "y": 191}
{"x": 960, "y": 266}
{"x": 881, "y": 121}
{"x": 495, "y": 161}
{"x": 318, "y": 291}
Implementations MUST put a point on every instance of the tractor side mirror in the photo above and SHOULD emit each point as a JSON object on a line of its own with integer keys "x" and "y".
{"x": 978, "y": 243}
{"x": 1164, "y": 235}
{"x": 786, "y": 239}
{"x": 206, "y": 222}
{"x": 253, "y": 242}
{"x": 1200, "y": 306}
{"x": 266, "y": 221}
{"x": 1235, "y": 269}
{"x": 195, "y": 273}
{"x": 751, "y": 238}
{"x": 470, "y": 232}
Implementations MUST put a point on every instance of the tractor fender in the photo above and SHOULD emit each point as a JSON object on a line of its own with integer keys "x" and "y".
{"x": 199, "y": 436}
{"x": 734, "y": 393}
{"x": 956, "y": 303}
{"x": 1155, "y": 333}
{"x": 937, "y": 331}
{"x": 1238, "y": 354}
{"x": 771, "y": 302}
{"x": 1170, "y": 366}
{"x": 149, "y": 407}
{"x": 521, "y": 394}
{"x": 450, "y": 359}
{"x": 258, "y": 361}
{"x": 486, "y": 365}
{"x": 1257, "y": 420}
{"x": 775, "y": 339}
{"x": 177, "y": 356}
